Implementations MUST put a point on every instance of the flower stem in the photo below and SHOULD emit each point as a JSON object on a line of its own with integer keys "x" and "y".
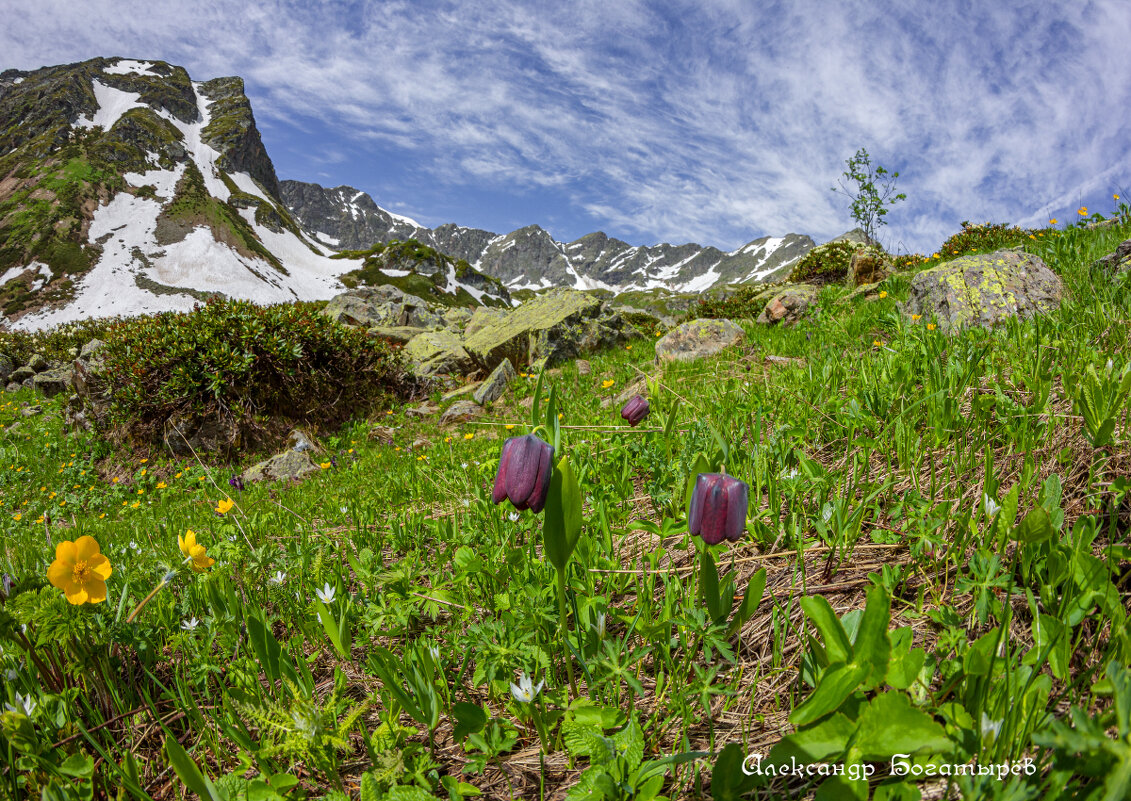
{"x": 565, "y": 633}
{"x": 146, "y": 600}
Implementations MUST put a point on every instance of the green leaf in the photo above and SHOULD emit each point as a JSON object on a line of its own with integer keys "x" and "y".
{"x": 837, "y": 647}
{"x": 889, "y": 725}
{"x": 189, "y": 773}
{"x": 536, "y": 407}
{"x": 728, "y": 780}
{"x": 561, "y": 526}
{"x": 1036, "y": 527}
{"x": 754, "y": 590}
{"x": 827, "y": 738}
{"x": 834, "y": 687}
{"x": 873, "y": 648}
{"x": 469, "y": 718}
{"x": 905, "y": 662}
{"x": 978, "y": 659}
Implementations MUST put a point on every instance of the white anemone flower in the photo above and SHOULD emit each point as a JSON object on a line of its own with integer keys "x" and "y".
{"x": 990, "y": 505}
{"x": 326, "y": 594}
{"x": 278, "y": 578}
{"x": 525, "y": 691}
{"x": 190, "y": 625}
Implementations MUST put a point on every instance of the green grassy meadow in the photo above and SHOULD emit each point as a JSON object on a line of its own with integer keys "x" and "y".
{"x": 934, "y": 574}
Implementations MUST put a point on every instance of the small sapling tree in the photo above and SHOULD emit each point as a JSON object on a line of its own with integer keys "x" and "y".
{"x": 871, "y": 190}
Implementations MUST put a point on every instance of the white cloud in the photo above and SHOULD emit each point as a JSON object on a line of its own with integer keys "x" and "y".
{"x": 706, "y": 121}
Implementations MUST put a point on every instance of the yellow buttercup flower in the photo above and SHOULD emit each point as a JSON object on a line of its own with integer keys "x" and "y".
{"x": 1052, "y": 221}
{"x": 510, "y": 426}
{"x": 916, "y": 317}
{"x": 161, "y": 485}
{"x": 80, "y": 570}
{"x": 469, "y": 436}
{"x": 193, "y": 550}
{"x": 1116, "y": 197}
{"x": 225, "y": 506}
{"x": 607, "y": 384}
{"x": 1082, "y": 211}
{"x": 877, "y": 344}
{"x": 325, "y": 465}
{"x": 930, "y": 326}
{"x": 883, "y": 294}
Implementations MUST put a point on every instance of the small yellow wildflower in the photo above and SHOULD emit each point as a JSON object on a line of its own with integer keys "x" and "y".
{"x": 225, "y": 506}
{"x": 877, "y": 344}
{"x": 80, "y": 570}
{"x": 143, "y": 461}
{"x": 510, "y": 426}
{"x": 115, "y": 480}
{"x": 1082, "y": 211}
{"x": 135, "y": 504}
{"x": 324, "y": 465}
{"x": 17, "y": 517}
{"x": 606, "y": 384}
{"x": 883, "y": 294}
{"x": 141, "y": 492}
{"x": 142, "y": 473}
{"x": 161, "y": 485}
{"x": 916, "y": 317}
{"x": 469, "y": 436}
{"x": 1116, "y": 197}
{"x": 628, "y": 347}
{"x": 1052, "y": 221}
{"x": 390, "y": 411}
{"x": 178, "y": 475}
{"x": 930, "y": 326}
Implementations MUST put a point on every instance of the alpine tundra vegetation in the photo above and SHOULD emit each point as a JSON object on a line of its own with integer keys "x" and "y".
{"x": 857, "y": 533}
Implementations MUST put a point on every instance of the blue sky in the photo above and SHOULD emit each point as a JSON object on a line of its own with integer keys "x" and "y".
{"x": 713, "y": 121}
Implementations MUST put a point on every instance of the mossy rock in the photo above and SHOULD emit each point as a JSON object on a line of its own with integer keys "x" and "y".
{"x": 437, "y": 352}
{"x": 789, "y": 306}
{"x": 698, "y": 339}
{"x": 984, "y": 289}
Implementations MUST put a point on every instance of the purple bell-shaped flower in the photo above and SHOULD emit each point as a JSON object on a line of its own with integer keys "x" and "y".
{"x": 524, "y": 473}
{"x": 635, "y": 410}
{"x": 718, "y": 508}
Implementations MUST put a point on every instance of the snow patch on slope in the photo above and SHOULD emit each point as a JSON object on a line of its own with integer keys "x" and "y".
{"x": 127, "y": 66}
{"x": 112, "y": 104}
{"x": 163, "y": 181}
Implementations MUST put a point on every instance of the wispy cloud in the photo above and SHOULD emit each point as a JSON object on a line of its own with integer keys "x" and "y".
{"x": 713, "y": 121}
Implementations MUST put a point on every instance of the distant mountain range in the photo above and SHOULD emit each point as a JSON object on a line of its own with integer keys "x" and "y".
{"x": 126, "y": 187}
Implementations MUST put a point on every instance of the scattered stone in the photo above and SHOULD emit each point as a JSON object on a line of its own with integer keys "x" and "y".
{"x": 698, "y": 339}
{"x": 37, "y": 363}
{"x": 459, "y": 392}
{"x": 382, "y": 434}
{"x": 6, "y": 367}
{"x": 299, "y": 440}
{"x": 437, "y": 352}
{"x": 869, "y": 265}
{"x": 53, "y": 382}
{"x": 583, "y": 367}
{"x": 492, "y": 389}
{"x": 423, "y": 410}
{"x": 420, "y": 444}
{"x": 560, "y": 324}
{"x": 460, "y": 412}
{"x": 382, "y": 305}
{"x": 789, "y": 306}
{"x": 397, "y": 334}
{"x": 22, "y": 374}
{"x": 984, "y": 289}
{"x": 1118, "y": 261}
{"x": 483, "y": 317}
{"x": 13, "y": 386}
{"x": 291, "y": 464}
{"x": 186, "y": 434}
{"x": 639, "y": 387}
{"x": 784, "y": 361}
{"x": 30, "y": 411}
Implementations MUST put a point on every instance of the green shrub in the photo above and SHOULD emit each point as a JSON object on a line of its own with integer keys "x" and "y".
{"x": 231, "y": 359}
{"x": 825, "y": 264}
{"x": 745, "y": 303}
{"x": 59, "y": 344}
{"x": 985, "y": 238}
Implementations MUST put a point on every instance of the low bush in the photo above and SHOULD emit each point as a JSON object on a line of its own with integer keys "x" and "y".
{"x": 825, "y": 264}
{"x": 744, "y": 303}
{"x": 986, "y": 238}
{"x": 235, "y": 360}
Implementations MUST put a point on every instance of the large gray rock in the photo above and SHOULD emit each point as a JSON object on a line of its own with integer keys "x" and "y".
{"x": 290, "y": 465}
{"x": 399, "y": 334}
{"x": 21, "y": 374}
{"x": 561, "y": 324}
{"x": 869, "y": 265}
{"x": 492, "y": 389}
{"x": 698, "y": 339}
{"x": 54, "y": 381}
{"x": 382, "y": 306}
{"x": 37, "y": 363}
{"x": 6, "y": 367}
{"x": 437, "y": 352}
{"x": 984, "y": 289}
{"x": 790, "y": 306}
{"x": 1118, "y": 261}
{"x": 483, "y": 317}
{"x": 187, "y": 434}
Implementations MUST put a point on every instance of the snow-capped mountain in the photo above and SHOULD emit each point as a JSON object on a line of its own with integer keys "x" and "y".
{"x": 126, "y": 187}
{"x": 530, "y": 258}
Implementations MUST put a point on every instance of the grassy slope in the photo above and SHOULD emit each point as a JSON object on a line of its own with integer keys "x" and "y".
{"x": 867, "y": 464}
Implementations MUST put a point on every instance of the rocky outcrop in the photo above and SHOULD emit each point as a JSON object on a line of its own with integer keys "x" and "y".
{"x": 382, "y": 306}
{"x": 438, "y": 352}
{"x": 790, "y": 306}
{"x": 869, "y": 265}
{"x": 558, "y": 325}
{"x": 290, "y": 465}
{"x": 1118, "y": 261}
{"x": 232, "y": 133}
{"x": 984, "y": 290}
{"x": 495, "y": 384}
{"x": 697, "y": 339}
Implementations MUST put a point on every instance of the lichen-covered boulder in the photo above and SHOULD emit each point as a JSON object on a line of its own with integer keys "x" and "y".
{"x": 6, "y": 367}
{"x": 698, "y": 339}
{"x": 789, "y": 306}
{"x": 1118, "y": 261}
{"x": 561, "y": 324}
{"x": 290, "y": 465}
{"x": 457, "y": 318}
{"x": 382, "y": 305}
{"x": 869, "y": 265}
{"x": 53, "y": 381}
{"x": 984, "y": 289}
{"x": 460, "y": 412}
{"x": 492, "y": 389}
{"x": 483, "y": 317}
{"x": 437, "y": 352}
{"x": 397, "y": 334}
